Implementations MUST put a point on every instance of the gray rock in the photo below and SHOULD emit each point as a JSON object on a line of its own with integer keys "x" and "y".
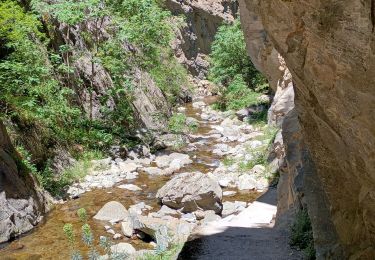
{"x": 123, "y": 248}
{"x": 230, "y": 208}
{"x": 153, "y": 171}
{"x": 130, "y": 187}
{"x": 224, "y": 183}
{"x": 62, "y": 160}
{"x": 189, "y": 217}
{"x": 128, "y": 167}
{"x": 117, "y": 236}
{"x": 111, "y": 231}
{"x": 163, "y": 230}
{"x": 165, "y": 210}
{"x": 258, "y": 169}
{"x": 241, "y": 114}
{"x": 173, "y": 160}
{"x": 139, "y": 208}
{"x": 246, "y": 182}
{"x": 107, "y": 227}
{"x": 210, "y": 216}
{"x": 127, "y": 228}
{"x": 112, "y": 210}
{"x": 199, "y": 104}
{"x": 229, "y": 193}
{"x": 191, "y": 191}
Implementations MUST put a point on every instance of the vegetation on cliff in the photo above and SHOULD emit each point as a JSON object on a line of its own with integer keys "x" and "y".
{"x": 232, "y": 69}
{"x": 41, "y": 87}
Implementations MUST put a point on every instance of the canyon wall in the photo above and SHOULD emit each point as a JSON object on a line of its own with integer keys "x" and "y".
{"x": 22, "y": 202}
{"x": 329, "y": 48}
{"x": 203, "y": 19}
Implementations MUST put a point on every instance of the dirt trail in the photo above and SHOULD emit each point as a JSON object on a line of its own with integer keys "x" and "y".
{"x": 249, "y": 235}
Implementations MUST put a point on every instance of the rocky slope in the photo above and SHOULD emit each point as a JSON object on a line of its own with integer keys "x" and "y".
{"x": 22, "y": 202}
{"x": 329, "y": 49}
{"x": 203, "y": 19}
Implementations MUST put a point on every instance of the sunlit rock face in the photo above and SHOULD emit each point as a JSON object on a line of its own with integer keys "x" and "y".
{"x": 203, "y": 18}
{"x": 22, "y": 203}
{"x": 329, "y": 48}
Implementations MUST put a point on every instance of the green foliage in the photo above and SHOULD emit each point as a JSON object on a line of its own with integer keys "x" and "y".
{"x": 69, "y": 233}
{"x": 231, "y": 68}
{"x": 89, "y": 241}
{"x": 237, "y": 95}
{"x": 302, "y": 235}
{"x": 169, "y": 77}
{"x": 179, "y": 123}
{"x": 228, "y": 161}
{"x": 259, "y": 117}
{"x": 144, "y": 24}
{"x": 38, "y": 86}
{"x": 57, "y": 184}
{"x": 229, "y": 57}
{"x": 169, "y": 254}
{"x": 82, "y": 214}
{"x": 26, "y": 159}
{"x": 28, "y": 92}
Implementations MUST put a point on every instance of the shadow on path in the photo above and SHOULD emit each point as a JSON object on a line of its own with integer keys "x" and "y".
{"x": 250, "y": 235}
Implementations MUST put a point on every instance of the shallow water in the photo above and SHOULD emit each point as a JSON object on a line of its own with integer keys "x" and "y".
{"x": 47, "y": 241}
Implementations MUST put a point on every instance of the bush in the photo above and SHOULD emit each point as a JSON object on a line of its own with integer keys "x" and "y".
{"x": 238, "y": 95}
{"x": 229, "y": 58}
{"x": 178, "y": 124}
{"x": 302, "y": 235}
{"x": 231, "y": 68}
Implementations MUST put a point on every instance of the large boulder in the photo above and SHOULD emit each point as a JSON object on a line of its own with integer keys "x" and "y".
{"x": 165, "y": 230}
{"x": 191, "y": 191}
{"x": 112, "y": 211}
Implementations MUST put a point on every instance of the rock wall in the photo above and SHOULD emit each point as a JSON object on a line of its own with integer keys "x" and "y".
{"x": 151, "y": 112}
{"x": 22, "y": 203}
{"x": 329, "y": 48}
{"x": 203, "y": 18}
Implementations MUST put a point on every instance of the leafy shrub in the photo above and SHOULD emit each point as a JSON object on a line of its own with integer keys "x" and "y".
{"x": 178, "y": 123}
{"x": 237, "y": 95}
{"x": 231, "y": 68}
{"x": 229, "y": 57}
{"x": 302, "y": 235}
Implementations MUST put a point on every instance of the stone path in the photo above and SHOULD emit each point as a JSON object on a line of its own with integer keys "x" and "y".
{"x": 249, "y": 235}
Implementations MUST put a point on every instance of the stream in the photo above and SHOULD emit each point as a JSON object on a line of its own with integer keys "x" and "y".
{"x": 47, "y": 241}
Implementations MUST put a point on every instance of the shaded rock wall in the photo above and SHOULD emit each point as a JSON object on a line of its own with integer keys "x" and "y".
{"x": 22, "y": 203}
{"x": 203, "y": 18}
{"x": 97, "y": 82}
{"x": 329, "y": 48}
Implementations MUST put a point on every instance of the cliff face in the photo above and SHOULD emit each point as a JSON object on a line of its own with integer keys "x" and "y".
{"x": 203, "y": 18}
{"x": 329, "y": 48}
{"x": 97, "y": 82}
{"x": 22, "y": 203}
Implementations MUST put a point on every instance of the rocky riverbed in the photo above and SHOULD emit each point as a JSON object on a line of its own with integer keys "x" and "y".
{"x": 153, "y": 201}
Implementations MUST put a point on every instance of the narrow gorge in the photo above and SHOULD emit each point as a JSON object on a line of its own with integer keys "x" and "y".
{"x": 187, "y": 129}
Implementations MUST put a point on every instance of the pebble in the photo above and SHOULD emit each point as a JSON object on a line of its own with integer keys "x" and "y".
{"x": 117, "y": 236}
